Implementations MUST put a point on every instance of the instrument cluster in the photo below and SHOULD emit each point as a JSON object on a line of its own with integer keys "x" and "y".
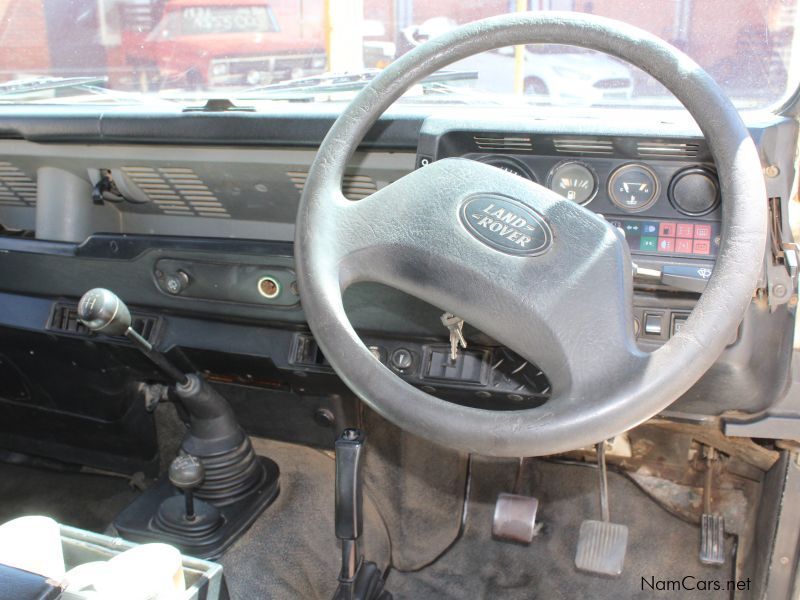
{"x": 663, "y": 207}
{"x": 631, "y": 187}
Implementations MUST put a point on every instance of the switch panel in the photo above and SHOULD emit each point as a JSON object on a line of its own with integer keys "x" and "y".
{"x": 237, "y": 283}
{"x": 468, "y": 367}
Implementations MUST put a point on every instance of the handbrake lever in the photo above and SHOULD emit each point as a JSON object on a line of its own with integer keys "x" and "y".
{"x": 358, "y": 579}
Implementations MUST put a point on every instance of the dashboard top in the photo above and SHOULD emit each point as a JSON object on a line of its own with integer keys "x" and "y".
{"x": 303, "y": 125}
{"x": 242, "y": 176}
{"x": 244, "y": 172}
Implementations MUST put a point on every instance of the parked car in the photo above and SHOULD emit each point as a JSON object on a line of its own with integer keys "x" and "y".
{"x": 554, "y": 73}
{"x": 202, "y": 43}
{"x": 567, "y": 74}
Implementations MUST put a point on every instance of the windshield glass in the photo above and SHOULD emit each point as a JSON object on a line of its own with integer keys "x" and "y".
{"x": 155, "y": 51}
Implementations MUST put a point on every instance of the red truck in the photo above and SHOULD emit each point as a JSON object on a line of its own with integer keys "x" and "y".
{"x": 211, "y": 43}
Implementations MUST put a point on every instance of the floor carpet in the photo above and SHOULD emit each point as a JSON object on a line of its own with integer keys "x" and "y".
{"x": 78, "y": 499}
{"x": 478, "y": 567}
{"x": 291, "y": 551}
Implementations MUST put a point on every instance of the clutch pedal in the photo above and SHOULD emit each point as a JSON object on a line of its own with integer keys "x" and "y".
{"x": 712, "y": 525}
{"x": 602, "y": 544}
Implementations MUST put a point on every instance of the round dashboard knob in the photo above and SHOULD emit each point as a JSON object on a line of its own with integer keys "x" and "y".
{"x": 175, "y": 283}
{"x": 402, "y": 359}
{"x": 694, "y": 191}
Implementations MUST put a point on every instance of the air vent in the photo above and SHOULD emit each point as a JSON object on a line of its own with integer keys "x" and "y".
{"x": 354, "y": 187}
{"x": 145, "y": 326}
{"x": 583, "y": 146}
{"x": 506, "y": 142}
{"x": 667, "y": 149}
{"x": 16, "y": 188}
{"x": 176, "y": 191}
{"x": 64, "y": 318}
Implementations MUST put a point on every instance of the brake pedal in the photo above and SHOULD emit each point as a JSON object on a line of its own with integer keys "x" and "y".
{"x": 712, "y": 525}
{"x": 515, "y": 514}
{"x": 602, "y": 544}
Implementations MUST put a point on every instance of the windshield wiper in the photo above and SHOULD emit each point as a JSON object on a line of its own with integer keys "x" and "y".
{"x": 79, "y": 89}
{"x": 306, "y": 88}
{"x": 43, "y": 84}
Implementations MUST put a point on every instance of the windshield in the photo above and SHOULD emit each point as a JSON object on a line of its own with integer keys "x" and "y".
{"x": 188, "y": 51}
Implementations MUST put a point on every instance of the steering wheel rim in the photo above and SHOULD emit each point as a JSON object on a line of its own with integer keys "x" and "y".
{"x": 612, "y": 386}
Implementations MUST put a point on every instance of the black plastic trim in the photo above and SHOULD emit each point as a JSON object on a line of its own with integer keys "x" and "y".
{"x": 130, "y": 246}
{"x": 111, "y": 246}
{"x": 286, "y": 126}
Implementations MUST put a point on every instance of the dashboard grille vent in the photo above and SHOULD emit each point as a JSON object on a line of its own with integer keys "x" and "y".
{"x": 506, "y": 142}
{"x": 354, "y": 187}
{"x": 16, "y": 188}
{"x": 667, "y": 149}
{"x": 583, "y": 146}
{"x": 64, "y": 318}
{"x": 177, "y": 191}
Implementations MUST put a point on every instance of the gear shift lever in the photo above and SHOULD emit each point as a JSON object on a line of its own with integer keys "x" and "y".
{"x": 225, "y": 485}
{"x": 195, "y": 517}
{"x": 186, "y": 473}
{"x": 214, "y": 437}
{"x": 102, "y": 311}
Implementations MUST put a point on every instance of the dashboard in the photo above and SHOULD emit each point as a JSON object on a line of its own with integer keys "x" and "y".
{"x": 190, "y": 219}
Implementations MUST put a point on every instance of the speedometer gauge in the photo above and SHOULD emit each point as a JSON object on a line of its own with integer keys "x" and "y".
{"x": 573, "y": 180}
{"x": 509, "y": 165}
{"x": 633, "y": 187}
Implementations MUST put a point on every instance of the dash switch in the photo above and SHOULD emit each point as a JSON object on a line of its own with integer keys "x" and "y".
{"x": 653, "y": 324}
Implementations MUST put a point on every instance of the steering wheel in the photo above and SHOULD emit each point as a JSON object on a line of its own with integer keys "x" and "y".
{"x": 540, "y": 274}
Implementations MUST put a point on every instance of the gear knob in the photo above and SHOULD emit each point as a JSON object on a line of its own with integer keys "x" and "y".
{"x": 101, "y": 310}
{"x": 186, "y": 472}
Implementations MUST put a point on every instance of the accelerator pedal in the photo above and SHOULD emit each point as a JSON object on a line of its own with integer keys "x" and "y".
{"x": 712, "y": 525}
{"x": 602, "y": 544}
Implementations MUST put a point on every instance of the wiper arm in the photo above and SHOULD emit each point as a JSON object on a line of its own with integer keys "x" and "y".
{"x": 81, "y": 88}
{"x": 42, "y": 84}
{"x": 358, "y": 78}
{"x": 329, "y": 83}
